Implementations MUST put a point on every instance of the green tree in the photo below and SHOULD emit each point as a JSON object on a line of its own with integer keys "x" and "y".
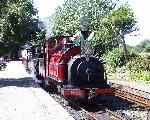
{"x": 124, "y": 22}
{"x": 101, "y": 14}
{"x": 67, "y": 17}
{"x": 18, "y": 24}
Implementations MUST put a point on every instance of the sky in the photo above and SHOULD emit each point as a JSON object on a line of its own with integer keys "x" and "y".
{"x": 140, "y": 7}
{"x": 47, "y": 7}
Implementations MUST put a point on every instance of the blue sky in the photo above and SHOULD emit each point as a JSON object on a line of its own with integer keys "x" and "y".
{"x": 140, "y": 7}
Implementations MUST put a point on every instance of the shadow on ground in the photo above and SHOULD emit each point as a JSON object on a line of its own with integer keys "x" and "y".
{"x": 21, "y": 82}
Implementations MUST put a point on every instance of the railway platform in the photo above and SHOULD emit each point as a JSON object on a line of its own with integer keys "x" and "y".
{"x": 22, "y": 99}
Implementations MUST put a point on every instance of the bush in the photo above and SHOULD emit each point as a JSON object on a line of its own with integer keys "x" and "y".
{"x": 139, "y": 63}
{"x": 139, "y": 68}
{"x": 116, "y": 58}
{"x": 136, "y": 68}
{"x": 139, "y": 75}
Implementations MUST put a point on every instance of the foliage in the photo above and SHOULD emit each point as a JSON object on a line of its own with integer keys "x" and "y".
{"x": 116, "y": 58}
{"x": 140, "y": 75}
{"x": 123, "y": 19}
{"x": 106, "y": 20}
{"x": 139, "y": 68}
{"x": 139, "y": 63}
{"x": 18, "y": 24}
{"x": 144, "y": 46}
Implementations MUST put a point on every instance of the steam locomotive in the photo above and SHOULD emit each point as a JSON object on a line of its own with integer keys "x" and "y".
{"x": 66, "y": 64}
{"x": 61, "y": 67}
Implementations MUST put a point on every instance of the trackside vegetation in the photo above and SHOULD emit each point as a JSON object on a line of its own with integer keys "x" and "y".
{"x": 110, "y": 20}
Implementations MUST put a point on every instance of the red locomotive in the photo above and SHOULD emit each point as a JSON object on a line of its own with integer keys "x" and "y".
{"x": 69, "y": 66}
{"x": 61, "y": 65}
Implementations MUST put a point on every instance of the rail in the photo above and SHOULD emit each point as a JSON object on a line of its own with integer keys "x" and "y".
{"x": 104, "y": 114}
{"x": 131, "y": 94}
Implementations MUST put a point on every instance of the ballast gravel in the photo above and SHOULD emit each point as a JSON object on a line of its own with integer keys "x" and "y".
{"x": 135, "y": 112}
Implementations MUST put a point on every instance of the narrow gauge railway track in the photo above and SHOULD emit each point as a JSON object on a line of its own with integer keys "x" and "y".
{"x": 101, "y": 114}
{"x": 97, "y": 112}
{"x": 139, "y": 97}
{"x": 113, "y": 115}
